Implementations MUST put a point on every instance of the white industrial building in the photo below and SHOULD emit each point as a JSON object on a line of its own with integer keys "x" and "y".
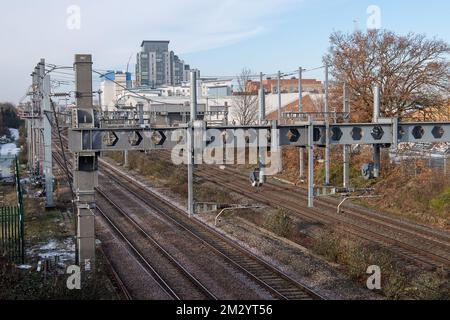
{"x": 114, "y": 84}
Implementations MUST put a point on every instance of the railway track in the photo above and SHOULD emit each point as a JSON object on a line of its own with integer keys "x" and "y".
{"x": 125, "y": 293}
{"x": 279, "y": 284}
{"x": 171, "y": 276}
{"x": 412, "y": 243}
{"x": 413, "y": 247}
{"x": 172, "y": 279}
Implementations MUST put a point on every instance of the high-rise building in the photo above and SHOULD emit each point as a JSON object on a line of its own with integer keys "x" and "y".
{"x": 176, "y": 70}
{"x": 157, "y": 66}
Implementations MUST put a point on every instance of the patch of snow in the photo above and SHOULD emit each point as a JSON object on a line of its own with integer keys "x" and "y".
{"x": 65, "y": 250}
{"x": 421, "y": 150}
{"x": 9, "y": 149}
{"x": 52, "y": 245}
{"x": 14, "y": 133}
{"x": 24, "y": 267}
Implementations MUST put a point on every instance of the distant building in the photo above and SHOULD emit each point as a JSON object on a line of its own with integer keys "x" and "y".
{"x": 113, "y": 85}
{"x": 156, "y": 66}
{"x": 186, "y": 73}
{"x": 183, "y": 90}
{"x": 287, "y": 86}
{"x": 217, "y": 88}
{"x": 172, "y": 111}
{"x": 206, "y": 88}
{"x": 308, "y": 106}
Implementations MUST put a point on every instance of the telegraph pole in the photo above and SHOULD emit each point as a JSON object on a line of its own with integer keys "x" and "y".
{"x": 191, "y": 146}
{"x": 262, "y": 118}
{"x": 140, "y": 107}
{"x": 29, "y": 139}
{"x": 300, "y": 89}
{"x": 100, "y": 92}
{"x": 279, "y": 96}
{"x": 300, "y": 109}
{"x": 126, "y": 159}
{"x": 41, "y": 68}
{"x": 376, "y": 147}
{"x": 32, "y": 163}
{"x": 47, "y": 128}
{"x": 327, "y": 146}
{"x": 36, "y": 113}
{"x": 346, "y": 147}
{"x": 310, "y": 163}
{"x": 86, "y": 165}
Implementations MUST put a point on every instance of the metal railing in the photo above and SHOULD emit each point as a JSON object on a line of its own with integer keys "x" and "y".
{"x": 12, "y": 225}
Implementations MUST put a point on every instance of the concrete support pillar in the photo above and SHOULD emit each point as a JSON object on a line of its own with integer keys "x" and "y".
{"x": 302, "y": 163}
{"x": 86, "y": 169}
{"x": 126, "y": 161}
{"x": 376, "y": 160}
{"x": 29, "y": 145}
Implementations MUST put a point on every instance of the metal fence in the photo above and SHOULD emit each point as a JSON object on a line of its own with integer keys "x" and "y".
{"x": 419, "y": 156}
{"x": 12, "y": 236}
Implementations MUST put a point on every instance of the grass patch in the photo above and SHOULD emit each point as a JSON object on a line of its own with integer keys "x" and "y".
{"x": 30, "y": 285}
{"x": 279, "y": 223}
{"x": 328, "y": 244}
{"x": 442, "y": 203}
{"x": 41, "y": 225}
{"x": 397, "y": 283}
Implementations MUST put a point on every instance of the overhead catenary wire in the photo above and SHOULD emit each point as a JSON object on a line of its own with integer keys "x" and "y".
{"x": 66, "y": 78}
{"x": 66, "y": 166}
{"x": 135, "y": 94}
{"x": 267, "y": 75}
{"x": 103, "y": 72}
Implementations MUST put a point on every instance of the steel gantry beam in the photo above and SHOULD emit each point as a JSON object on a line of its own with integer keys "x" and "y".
{"x": 309, "y": 135}
{"x": 389, "y": 132}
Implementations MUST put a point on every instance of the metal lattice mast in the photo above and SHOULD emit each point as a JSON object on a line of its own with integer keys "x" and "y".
{"x": 191, "y": 142}
{"x": 47, "y": 141}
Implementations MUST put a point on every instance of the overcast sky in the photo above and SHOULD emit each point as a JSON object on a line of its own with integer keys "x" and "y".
{"x": 218, "y": 37}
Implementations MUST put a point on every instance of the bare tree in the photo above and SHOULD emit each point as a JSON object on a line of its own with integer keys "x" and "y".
{"x": 412, "y": 71}
{"x": 245, "y": 102}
